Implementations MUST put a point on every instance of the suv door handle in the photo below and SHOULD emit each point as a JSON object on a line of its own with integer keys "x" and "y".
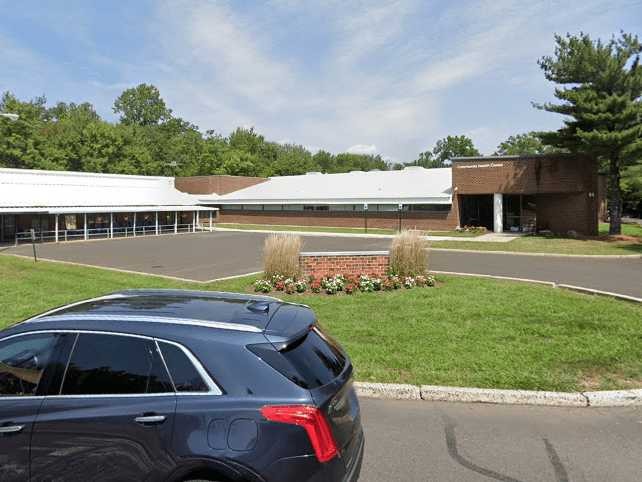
{"x": 150, "y": 419}
{"x": 9, "y": 429}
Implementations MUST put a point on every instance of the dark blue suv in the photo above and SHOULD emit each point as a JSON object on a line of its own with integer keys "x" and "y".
{"x": 177, "y": 385}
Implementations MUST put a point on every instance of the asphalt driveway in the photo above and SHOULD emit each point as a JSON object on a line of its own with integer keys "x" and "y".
{"x": 207, "y": 256}
{"x": 428, "y": 441}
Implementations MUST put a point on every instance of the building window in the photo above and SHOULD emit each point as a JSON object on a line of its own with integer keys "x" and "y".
{"x": 341, "y": 207}
{"x": 273, "y": 207}
{"x": 317, "y": 207}
{"x": 428, "y": 207}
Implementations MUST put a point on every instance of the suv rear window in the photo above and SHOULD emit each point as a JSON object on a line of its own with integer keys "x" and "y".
{"x": 310, "y": 362}
{"x": 184, "y": 375}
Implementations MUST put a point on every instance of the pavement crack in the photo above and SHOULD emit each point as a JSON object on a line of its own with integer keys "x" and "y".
{"x": 451, "y": 443}
{"x": 560, "y": 471}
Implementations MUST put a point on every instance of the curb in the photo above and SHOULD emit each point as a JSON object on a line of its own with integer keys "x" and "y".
{"x": 549, "y": 255}
{"x": 431, "y": 393}
{"x": 389, "y": 391}
{"x": 552, "y": 284}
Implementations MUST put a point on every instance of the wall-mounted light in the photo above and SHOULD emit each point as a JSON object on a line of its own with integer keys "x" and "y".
{"x": 591, "y": 194}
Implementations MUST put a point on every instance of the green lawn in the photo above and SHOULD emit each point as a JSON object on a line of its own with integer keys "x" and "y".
{"x": 333, "y": 229}
{"x": 627, "y": 230}
{"x": 549, "y": 245}
{"x": 464, "y": 332}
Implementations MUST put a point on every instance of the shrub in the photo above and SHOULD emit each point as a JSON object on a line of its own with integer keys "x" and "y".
{"x": 395, "y": 282}
{"x": 366, "y": 284}
{"x": 333, "y": 283}
{"x": 290, "y": 287}
{"x": 408, "y": 255}
{"x": 262, "y": 286}
{"x": 409, "y": 282}
{"x": 301, "y": 286}
{"x": 281, "y": 256}
{"x": 315, "y": 286}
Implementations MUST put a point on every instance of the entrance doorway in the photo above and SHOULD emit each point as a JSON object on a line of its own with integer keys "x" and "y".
{"x": 476, "y": 210}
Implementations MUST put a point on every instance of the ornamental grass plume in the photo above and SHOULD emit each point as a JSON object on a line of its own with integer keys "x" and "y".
{"x": 281, "y": 256}
{"x": 408, "y": 254}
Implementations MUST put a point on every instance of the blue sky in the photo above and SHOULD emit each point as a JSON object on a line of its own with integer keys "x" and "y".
{"x": 384, "y": 76}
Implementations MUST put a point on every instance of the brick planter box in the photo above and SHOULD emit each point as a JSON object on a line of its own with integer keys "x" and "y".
{"x": 344, "y": 262}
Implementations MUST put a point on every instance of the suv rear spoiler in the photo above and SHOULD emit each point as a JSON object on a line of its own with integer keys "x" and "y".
{"x": 289, "y": 323}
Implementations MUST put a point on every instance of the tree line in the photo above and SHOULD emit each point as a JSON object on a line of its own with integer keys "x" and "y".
{"x": 149, "y": 139}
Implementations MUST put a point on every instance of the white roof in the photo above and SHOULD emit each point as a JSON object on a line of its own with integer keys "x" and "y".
{"x": 61, "y": 191}
{"x": 412, "y": 185}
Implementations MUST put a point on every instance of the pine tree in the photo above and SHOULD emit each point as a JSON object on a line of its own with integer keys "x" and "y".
{"x": 600, "y": 89}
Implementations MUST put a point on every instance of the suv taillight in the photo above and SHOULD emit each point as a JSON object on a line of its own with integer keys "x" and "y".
{"x": 314, "y": 423}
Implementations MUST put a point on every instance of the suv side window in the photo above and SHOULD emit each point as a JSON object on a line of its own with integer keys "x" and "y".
{"x": 115, "y": 364}
{"x": 184, "y": 374}
{"x": 23, "y": 360}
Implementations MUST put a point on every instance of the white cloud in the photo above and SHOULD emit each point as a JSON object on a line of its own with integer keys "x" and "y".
{"x": 362, "y": 149}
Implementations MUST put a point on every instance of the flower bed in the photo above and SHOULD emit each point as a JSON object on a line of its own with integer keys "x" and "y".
{"x": 333, "y": 284}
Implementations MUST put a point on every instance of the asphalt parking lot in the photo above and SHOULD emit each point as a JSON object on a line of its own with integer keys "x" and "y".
{"x": 198, "y": 257}
{"x": 455, "y": 442}
{"x": 208, "y": 256}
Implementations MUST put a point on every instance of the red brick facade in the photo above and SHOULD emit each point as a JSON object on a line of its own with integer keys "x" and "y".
{"x": 437, "y": 221}
{"x": 323, "y": 264}
{"x": 565, "y": 187}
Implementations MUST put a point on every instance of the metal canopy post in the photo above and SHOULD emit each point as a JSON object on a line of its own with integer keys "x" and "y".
{"x": 210, "y": 221}
{"x": 175, "y": 222}
{"x": 111, "y": 225}
{"x": 193, "y": 221}
{"x": 134, "y": 224}
{"x": 85, "y": 227}
{"x": 156, "y": 223}
{"x": 56, "y": 224}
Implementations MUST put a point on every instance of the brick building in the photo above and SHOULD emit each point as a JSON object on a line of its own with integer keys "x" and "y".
{"x": 508, "y": 193}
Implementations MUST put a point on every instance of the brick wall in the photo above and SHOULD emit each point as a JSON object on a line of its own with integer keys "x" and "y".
{"x": 346, "y": 263}
{"x": 525, "y": 175}
{"x": 215, "y": 184}
{"x": 561, "y": 213}
{"x": 438, "y": 221}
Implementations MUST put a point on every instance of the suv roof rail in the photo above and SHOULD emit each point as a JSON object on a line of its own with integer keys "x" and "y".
{"x": 149, "y": 319}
